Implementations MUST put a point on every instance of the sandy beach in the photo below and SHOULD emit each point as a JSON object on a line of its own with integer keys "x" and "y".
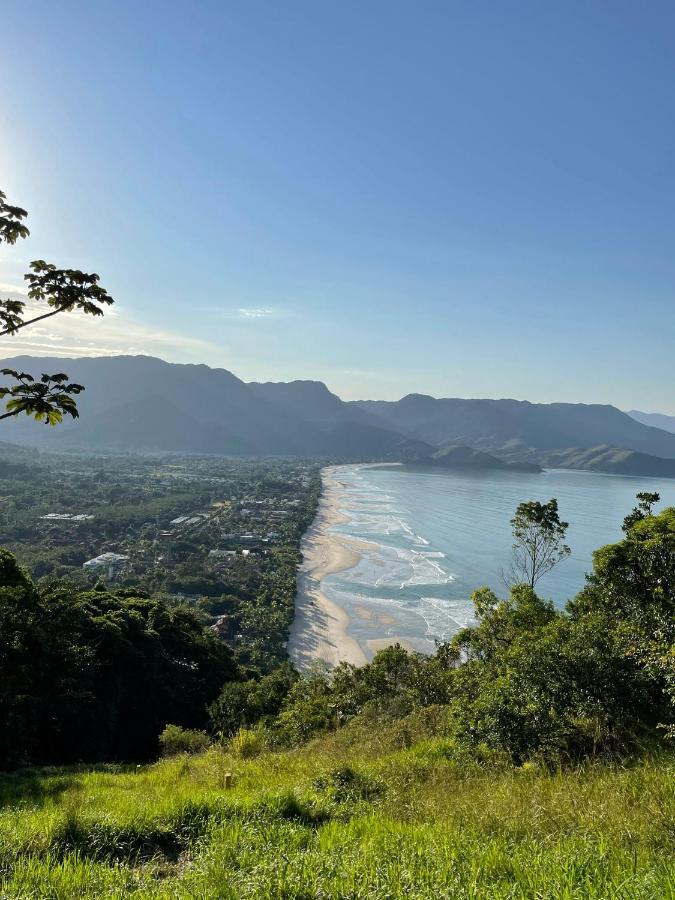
{"x": 319, "y": 630}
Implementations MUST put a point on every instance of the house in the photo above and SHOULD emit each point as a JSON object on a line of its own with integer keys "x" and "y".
{"x": 66, "y": 517}
{"x": 113, "y": 562}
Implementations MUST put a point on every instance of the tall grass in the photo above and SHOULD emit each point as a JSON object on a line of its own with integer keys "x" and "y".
{"x": 350, "y": 816}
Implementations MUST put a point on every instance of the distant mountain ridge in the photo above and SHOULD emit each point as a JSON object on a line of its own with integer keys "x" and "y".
{"x": 492, "y": 424}
{"x": 461, "y": 456}
{"x": 141, "y": 403}
{"x": 612, "y": 460}
{"x": 656, "y": 420}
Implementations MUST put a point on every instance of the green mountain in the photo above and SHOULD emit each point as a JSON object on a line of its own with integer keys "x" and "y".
{"x": 142, "y": 403}
{"x": 491, "y": 424}
{"x": 612, "y": 460}
{"x": 459, "y": 456}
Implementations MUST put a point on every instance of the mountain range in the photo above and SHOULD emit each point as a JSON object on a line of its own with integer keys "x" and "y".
{"x": 656, "y": 420}
{"x": 140, "y": 403}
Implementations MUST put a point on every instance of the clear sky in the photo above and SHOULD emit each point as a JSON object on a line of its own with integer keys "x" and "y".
{"x": 455, "y": 198}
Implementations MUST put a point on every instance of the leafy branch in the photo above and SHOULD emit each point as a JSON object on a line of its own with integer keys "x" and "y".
{"x": 11, "y": 222}
{"x": 63, "y": 290}
{"x": 46, "y": 400}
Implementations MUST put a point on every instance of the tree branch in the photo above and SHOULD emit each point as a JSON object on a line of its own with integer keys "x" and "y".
{"x": 32, "y": 321}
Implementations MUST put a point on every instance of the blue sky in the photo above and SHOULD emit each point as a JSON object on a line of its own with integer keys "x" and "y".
{"x": 462, "y": 199}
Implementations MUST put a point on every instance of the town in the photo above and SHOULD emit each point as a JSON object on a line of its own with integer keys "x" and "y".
{"x": 219, "y": 534}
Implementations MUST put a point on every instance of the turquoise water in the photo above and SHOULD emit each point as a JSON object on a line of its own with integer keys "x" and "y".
{"x": 436, "y": 536}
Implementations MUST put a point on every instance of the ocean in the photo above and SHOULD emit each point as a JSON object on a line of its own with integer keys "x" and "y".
{"x": 429, "y": 537}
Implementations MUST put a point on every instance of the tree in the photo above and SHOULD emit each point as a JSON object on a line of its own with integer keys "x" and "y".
{"x": 19, "y": 644}
{"x": 63, "y": 290}
{"x": 559, "y": 684}
{"x": 632, "y": 589}
{"x": 95, "y": 675}
{"x": 11, "y": 221}
{"x": 539, "y": 537}
{"x": 645, "y": 505}
{"x": 242, "y": 704}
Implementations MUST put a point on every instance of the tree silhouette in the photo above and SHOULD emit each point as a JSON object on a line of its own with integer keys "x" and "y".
{"x": 538, "y": 541}
{"x": 62, "y": 290}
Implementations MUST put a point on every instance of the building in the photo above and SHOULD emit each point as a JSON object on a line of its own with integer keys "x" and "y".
{"x": 66, "y": 517}
{"x": 113, "y": 562}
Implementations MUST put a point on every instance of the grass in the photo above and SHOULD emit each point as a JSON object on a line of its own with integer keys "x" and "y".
{"x": 372, "y": 811}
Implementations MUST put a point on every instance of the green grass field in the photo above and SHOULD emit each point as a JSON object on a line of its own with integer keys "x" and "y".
{"x": 375, "y": 810}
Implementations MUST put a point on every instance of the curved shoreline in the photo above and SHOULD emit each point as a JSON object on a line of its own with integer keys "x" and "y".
{"x": 319, "y": 629}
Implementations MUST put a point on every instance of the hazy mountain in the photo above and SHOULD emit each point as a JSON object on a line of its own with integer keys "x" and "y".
{"x": 311, "y": 401}
{"x": 612, "y": 460}
{"x": 455, "y": 456}
{"x": 142, "y": 403}
{"x": 120, "y": 388}
{"x": 459, "y": 456}
{"x": 155, "y": 423}
{"x": 656, "y": 420}
{"x": 492, "y": 425}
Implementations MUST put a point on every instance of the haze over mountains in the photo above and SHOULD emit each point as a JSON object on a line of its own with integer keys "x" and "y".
{"x": 656, "y": 420}
{"x": 141, "y": 403}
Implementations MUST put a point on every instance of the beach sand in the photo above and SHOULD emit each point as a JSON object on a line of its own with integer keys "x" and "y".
{"x": 319, "y": 630}
{"x": 383, "y": 643}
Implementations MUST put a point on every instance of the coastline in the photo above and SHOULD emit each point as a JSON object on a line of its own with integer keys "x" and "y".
{"x": 319, "y": 629}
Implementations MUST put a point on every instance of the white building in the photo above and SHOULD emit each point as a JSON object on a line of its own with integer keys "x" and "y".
{"x": 113, "y": 562}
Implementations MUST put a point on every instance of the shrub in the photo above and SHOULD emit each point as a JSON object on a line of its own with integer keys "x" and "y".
{"x": 345, "y": 784}
{"x": 247, "y": 744}
{"x": 174, "y": 740}
{"x": 242, "y": 704}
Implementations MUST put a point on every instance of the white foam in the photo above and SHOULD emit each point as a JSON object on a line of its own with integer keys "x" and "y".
{"x": 404, "y": 566}
{"x": 442, "y": 617}
{"x": 445, "y": 617}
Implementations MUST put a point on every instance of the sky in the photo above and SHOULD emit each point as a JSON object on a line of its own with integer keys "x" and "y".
{"x": 465, "y": 199}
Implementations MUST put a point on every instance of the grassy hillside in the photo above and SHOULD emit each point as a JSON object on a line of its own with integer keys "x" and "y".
{"x": 374, "y": 810}
{"x": 529, "y": 757}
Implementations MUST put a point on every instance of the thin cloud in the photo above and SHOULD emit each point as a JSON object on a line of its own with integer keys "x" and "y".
{"x": 76, "y": 334}
{"x": 256, "y": 312}
{"x": 6, "y": 288}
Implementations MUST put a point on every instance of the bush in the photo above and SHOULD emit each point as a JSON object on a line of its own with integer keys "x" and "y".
{"x": 345, "y": 784}
{"x": 247, "y": 744}
{"x": 174, "y": 740}
{"x": 242, "y": 704}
